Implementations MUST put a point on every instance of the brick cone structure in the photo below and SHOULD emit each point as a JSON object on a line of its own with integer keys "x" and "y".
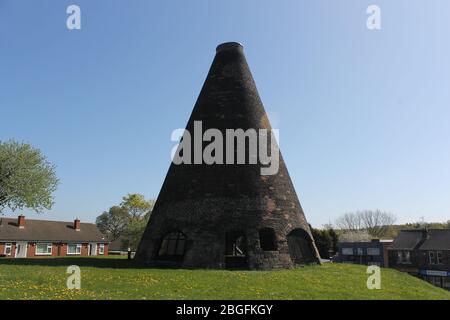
{"x": 222, "y": 215}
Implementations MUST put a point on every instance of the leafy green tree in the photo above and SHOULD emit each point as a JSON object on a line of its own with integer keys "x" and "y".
{"x": 334, "y": 240}
{"x": 324, "y": 242}
{"x": 133, "y": 233}
{"x": 113, "y": 222}
{"x": 136, "y": 205}
{"x": 27, "y": 179}
{"x": 126, "y": 221}
{"x": 139, "y": 210}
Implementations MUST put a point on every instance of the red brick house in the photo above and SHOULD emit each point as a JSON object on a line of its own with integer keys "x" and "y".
{"x": 20, "y": 238}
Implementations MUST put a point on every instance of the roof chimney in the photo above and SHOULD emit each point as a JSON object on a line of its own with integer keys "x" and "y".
{"x": 76, "y": 224}
{"x": 21, "y": 221}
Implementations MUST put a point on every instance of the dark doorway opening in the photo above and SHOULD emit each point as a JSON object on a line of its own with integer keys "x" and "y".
{"x": 236, "y": 250}
{"x": 300, "y": 247}
{"x": 268, "y": 239}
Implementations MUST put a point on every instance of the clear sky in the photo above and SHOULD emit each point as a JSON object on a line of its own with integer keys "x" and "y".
{"x": 363, "y": 115}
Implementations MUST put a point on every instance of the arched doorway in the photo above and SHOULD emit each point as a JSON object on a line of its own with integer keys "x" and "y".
{"x": 300, "y": 246}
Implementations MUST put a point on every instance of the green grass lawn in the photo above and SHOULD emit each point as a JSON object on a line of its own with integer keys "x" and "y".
{"x": 115, "y": 278}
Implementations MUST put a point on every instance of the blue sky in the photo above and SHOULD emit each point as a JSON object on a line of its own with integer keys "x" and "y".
{"x": 363, "y": 115}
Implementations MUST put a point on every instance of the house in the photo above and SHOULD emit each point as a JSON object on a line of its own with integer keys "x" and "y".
{"x": 23, "y": 238}
{"x": 374, "y": 252}
{"x": 423, "y": 253}
{"x": 118, "y": 246}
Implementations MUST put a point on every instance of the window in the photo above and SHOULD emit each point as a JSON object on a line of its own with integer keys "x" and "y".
{"x": 407, "y": 257}
{"x": 435, "y": 257}
{"x": 267, "y": 239}
{"x": 8, "y": 249}
{"x": 74, "y": 248}
{"x": 359, "y": 251}
{"x": 403, "y": 257}
{"x": 347, "y": 251}
{"x": 101, "y": 248}
{"x": 373, "y": 251}
{"x": 439, "y": 257}
{"x": 431, "y": 257}
{"x": 172, "y": 246}
{"x": 43, "y": 249}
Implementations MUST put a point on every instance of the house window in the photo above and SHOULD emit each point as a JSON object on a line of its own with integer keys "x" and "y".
{"x": 431, "y": 257}
{"x": 347, "y": 251}
{"x": 43, "y": 249}
{"x": 267, "y": 239}
{"x": 439, "y": 257}
{"x": 403, "y": 257}
{"x": 74, "y": 248}
{"x": 406, "y": 257}
{"x": 435, "y": 257}
{"x": 373, "y": 251}
{"x": 172, "y": 246}
{"x": 101, "y": 248}
{"x": 8, "y": 249}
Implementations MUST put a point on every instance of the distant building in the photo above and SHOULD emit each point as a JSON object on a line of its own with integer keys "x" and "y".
{"x": 423, "y": 253}
{"x": 118, "y": 246}
{"x": 367, "y": 253}
{"x": 20, "y": 238}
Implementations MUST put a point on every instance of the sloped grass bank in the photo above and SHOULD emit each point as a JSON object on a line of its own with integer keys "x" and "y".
{"x": 115, "y": 278}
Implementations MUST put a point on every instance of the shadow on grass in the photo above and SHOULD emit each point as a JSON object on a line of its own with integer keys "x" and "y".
{"x": 116, "y": 263}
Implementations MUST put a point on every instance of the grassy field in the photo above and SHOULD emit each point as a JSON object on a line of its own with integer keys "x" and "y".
{"x": 115, "y": 278}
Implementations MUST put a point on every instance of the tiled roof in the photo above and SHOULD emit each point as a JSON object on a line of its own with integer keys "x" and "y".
{"x": 407, "y": 240}
{"x": 438, "y": 239}
{"x": 43, "y": 230}
{"x": 432, "y": 239}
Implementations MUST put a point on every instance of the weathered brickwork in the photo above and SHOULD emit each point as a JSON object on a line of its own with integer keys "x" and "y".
{"x": 207, "y": 202}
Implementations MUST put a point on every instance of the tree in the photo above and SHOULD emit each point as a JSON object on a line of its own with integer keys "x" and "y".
{"x": 350, "y": 221}
{"x": 376, "y": 223}
{"x": 326, "y": 241}
{"x": 113, "y": 222}
{"x": 128, "y": 220}
{"x": 136, "y": 205}
{"x": 323, "y": 242}
{"x": 334, "y": 239}
{"x": 139, "y": 210}
{"x": 27, "y": 179}
{"x": 133, "y": 233}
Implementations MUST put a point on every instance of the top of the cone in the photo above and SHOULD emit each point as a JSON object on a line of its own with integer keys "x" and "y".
{"x": 229, "y": 46}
